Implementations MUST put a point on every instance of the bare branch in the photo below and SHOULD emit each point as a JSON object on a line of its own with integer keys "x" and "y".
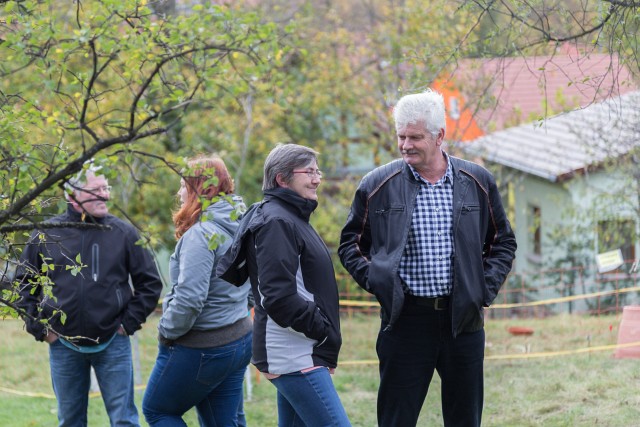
{"x": 71, "y": 168}
{"x": 25, "y": 315}
{"x": 50, "y": 225}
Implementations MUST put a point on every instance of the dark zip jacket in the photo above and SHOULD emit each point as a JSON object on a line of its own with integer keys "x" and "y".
{"x": 297, "y": 322}
{"x": 97, "y": 298}
{"x": 375, "y": 235}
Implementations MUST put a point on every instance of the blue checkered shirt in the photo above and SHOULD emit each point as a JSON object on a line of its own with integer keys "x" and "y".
{"x": 425, "y": 266}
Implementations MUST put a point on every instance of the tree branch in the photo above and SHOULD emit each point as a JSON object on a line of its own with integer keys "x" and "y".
{"x": 23, "y": 314}
{"x": 51, "y": 225}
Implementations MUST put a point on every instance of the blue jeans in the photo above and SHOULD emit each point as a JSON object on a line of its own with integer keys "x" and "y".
{"x": 242, "y": 418}
{"x": 419, "y": 344}
{"x": 309, "y": 399}
{"x": 208, "y": 378}
{"x": 71, "y": 378}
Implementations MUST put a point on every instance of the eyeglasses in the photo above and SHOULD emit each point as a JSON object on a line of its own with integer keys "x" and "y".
{"x": 101, "y": 189}
{"x": 311, "y": 173}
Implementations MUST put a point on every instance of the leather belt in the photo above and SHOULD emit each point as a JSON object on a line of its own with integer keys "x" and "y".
{"x": 436, "y": 303}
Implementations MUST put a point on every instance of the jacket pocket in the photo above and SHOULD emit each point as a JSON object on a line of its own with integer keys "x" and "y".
{"x": 380, "y": 284}
{"x": 390, "y": 210}
{"x": 119, "y": 299}
{"x": 95, "y": 262}
{"x": 470, "y": 209}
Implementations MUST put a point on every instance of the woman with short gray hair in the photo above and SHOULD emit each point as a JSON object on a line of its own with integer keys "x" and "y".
{"x": 283, "y": 160}
{"x": 296, "y": 331}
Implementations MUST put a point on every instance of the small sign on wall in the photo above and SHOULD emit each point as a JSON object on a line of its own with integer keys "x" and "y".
{"x": 608, "y": 261}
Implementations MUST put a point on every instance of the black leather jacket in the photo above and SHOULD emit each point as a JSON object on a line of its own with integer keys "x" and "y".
{"x": 374, "y": 237}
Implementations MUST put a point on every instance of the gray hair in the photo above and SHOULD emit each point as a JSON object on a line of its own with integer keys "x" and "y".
{"x": 79, "y": 180}
{"x": 426, "y": 107}
{"x": 282, "y": 160}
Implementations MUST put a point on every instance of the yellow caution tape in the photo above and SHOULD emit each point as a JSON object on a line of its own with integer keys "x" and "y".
{"x": 51, "y": 396}
{"x": 349, "y": 303}
{"x": 373, "y": 362}
{"x": 26, "y": 393}
{"x": 562, "y": 352}
{"x": 565, "y": 299}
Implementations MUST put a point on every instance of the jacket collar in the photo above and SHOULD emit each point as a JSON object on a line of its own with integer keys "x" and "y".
{"x": 450, "y": 173}
{"x": 303, "y": 207}
{"x": 76, "y": 216}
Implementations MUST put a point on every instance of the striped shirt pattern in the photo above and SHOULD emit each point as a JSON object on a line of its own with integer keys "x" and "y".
{"x": 425, "y": 266}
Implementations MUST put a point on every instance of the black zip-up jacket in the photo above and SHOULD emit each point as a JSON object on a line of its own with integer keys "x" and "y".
{"x": 96, "y": 298}
{"x": 377, "y": 228}
{"x": 297, "y": 321}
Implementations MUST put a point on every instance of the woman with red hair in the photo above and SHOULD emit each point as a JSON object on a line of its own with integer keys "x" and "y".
{"x": 205, "y": 331}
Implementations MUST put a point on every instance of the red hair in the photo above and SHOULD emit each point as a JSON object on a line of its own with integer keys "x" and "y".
{"x": 201, "y": 170}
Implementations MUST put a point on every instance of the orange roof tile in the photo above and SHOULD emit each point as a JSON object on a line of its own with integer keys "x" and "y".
{"x": 505, "y": 92}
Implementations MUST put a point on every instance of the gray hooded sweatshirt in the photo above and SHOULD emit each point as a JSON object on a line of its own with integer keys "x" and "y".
{"x": 198, "y": 300}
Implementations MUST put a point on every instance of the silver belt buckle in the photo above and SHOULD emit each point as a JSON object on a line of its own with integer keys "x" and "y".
{"x": 437, "y": 306}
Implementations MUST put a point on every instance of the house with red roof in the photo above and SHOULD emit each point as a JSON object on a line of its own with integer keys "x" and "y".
{"x": 564, "y": 130}
{"x": 487, "y": 95}
{"x": 572, "y": 187}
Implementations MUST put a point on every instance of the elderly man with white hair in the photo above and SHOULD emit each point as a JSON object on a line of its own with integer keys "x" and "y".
{"x": 104, "y": 285}
{"x": 428, "y": 236}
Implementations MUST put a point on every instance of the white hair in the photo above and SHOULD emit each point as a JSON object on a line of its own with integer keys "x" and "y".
{"x": 426, "y": 107}
{"x": 79, "y": 180}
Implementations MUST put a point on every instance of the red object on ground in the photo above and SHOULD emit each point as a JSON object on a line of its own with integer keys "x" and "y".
{"x": 629, "y": 333}
{"x": 520, "y": 330}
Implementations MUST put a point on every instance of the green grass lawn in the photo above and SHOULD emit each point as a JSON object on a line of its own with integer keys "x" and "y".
{"x": 562, "y": 375}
